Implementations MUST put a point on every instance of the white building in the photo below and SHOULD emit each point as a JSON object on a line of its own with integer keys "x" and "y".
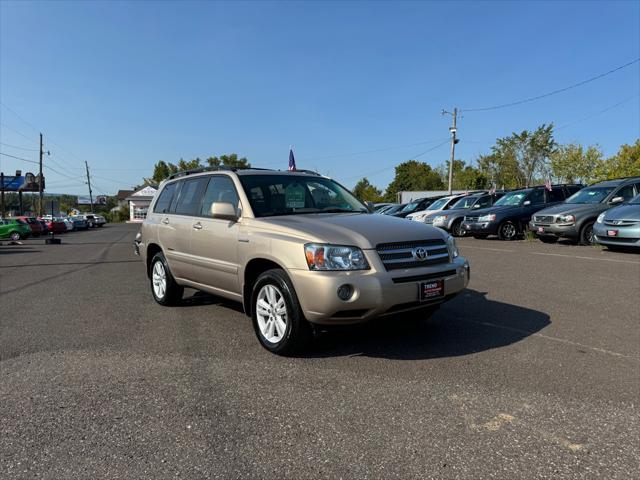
{"x": 139, "y": 203}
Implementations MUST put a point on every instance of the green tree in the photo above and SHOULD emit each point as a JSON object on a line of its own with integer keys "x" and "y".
{"x": 367, "y": 192}
{"x": 230, "y": 160}
{"x": 625, "y": 163}
{"x": 517, "y": 160}
{"x": 188, "y": 165}
{"x": 413, "y": 176}
{"x": 465, "y": 177}
{"x": 572, "y": 162}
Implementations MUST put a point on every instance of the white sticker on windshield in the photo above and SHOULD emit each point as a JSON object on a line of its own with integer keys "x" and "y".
{"x": 294, "y": 196}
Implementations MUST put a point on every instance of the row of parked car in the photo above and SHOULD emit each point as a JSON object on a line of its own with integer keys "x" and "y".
{"x": 21, "y": 227}
{"x": 606, "y": 213}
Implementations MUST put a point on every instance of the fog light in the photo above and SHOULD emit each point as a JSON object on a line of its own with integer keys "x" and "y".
{"x": 345, "y": 292}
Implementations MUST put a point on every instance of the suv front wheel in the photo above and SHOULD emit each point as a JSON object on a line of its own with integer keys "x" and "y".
{"x": 508, "y": 230}
{"x": 586, "y": 234}
{"x": 276, "y": 314}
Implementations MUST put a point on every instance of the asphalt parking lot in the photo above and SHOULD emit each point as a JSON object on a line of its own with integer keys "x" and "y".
{"x": 533, "y": 372}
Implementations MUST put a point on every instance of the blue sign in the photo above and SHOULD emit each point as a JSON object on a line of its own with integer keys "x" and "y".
{"x": 12, "y": 184}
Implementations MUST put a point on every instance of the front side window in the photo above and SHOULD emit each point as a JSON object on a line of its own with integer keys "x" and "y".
{"x": 438, "y": 204}
{"x": 220, "y": 189}
{"x": 272, "y": 195}
{"x": 635, "y": 200}
{"x": 556, "y": 195}
{"x": 465, "y": 202}
{"x": 164, "y": 200}
{"x": 190, "y": 197}
{"x": 625, "y": 192}
{"x": 536, "y": 197}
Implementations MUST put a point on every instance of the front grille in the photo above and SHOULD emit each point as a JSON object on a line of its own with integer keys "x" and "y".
{"x": 428, "y": 220}
{"x": 630, "y": 241}
{"x": 471, "y": 218}
{"x": 399, "y": 255}
{"x": 620, "y": 223}
{"x": 543, "y": 218}
{"x": 420, "y": 278}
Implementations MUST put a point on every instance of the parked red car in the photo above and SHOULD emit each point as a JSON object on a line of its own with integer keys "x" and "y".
{"x": 55, "y": 225}
{"x": 34, "y": 224}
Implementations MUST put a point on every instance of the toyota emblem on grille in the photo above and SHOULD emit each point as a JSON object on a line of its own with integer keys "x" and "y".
{"x": 419, "y": 253}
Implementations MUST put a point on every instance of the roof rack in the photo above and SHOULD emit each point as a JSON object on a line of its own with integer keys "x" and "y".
{"x": 226, "y": 168}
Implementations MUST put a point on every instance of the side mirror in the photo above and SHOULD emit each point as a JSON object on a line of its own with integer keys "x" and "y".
{"x": 615, "y": 200}
{"x": 527, "y": 203}
{"x": 370, "y": 206}
{"x": 224, "y": 211}
{"x": 476, "y": 206}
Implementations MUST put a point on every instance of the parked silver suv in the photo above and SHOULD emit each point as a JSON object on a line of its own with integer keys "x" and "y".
{"x": 295, "y": 248}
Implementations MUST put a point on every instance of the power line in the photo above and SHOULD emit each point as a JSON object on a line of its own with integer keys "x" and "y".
{"x": 16, "y": 131}
{"x": 384, "y": 149}
{"x": 18, "y": 158}
{"x": 19, "y": 148}
{"x": 554, "y": 92}
{"x": 394, "y": 166}
{"x": 17, "y": 115}
{"x": 600, "y": 112}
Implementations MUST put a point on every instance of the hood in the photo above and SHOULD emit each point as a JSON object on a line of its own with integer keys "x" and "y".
{"x": 624, "y": 212}
{"x": 573, "y": 209}
{"x": 454, "y": 211}
{"x": 358, "y": 229}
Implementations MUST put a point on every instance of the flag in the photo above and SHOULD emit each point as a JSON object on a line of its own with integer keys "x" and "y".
{"x": 492, "y": 190}
{"x": 547, "y": 184}
{"x": 292, "y": 161}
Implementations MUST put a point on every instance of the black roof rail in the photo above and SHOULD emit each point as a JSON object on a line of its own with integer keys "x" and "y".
{"x": 310, "y": 172}
{"x": 226, "y": 168}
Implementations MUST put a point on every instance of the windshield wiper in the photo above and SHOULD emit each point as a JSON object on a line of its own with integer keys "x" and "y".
{"x": 340, "y": 210}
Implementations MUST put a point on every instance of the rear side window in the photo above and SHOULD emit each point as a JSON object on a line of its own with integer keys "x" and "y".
{"x": 556, "y": 195}
{"x": 191, "y": 196}
{"x": 485, "y": 201}
{"x": 164, "y": 200}
{"x": 220, "y": 189}
{"x": 571, "y": 189}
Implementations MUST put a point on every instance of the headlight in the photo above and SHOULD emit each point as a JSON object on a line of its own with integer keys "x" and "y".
{"x": 334, "y": 257}
{"x": 601, "y": 217}
{"x": 440, "y": 219}
{"x": 452, "y": 247}
{"x": 566, "y": 219}
{"x": 419, "y": 217}
{"x": 487, "y": 218}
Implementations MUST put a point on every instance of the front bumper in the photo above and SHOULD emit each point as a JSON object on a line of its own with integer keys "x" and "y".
{"x": 480, "y": 228}
{"x": 626, "y": 236}
{"x": 554, "y": 229}
{"x": 376, "y": 292}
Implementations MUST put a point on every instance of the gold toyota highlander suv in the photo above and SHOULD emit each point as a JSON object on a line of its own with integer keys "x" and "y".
{"x": 296, "y": 248}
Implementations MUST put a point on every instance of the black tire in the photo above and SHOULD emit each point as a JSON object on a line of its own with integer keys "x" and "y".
{"x": 15, "y": 236}
{"x": 173, "y": 292}
{"x": 457, "y": 230}
{"x": 548, "y": 239}
{"x": 586, "y": 234}
{"x": 508, "y": 231}
{"x": 298, "y": 332}
{"x": 480, "y": 236}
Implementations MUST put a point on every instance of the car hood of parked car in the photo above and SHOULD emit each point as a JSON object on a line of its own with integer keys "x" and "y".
{"x": 624, "y": 212}
{"x": 453, "y": 212}
{"x": 573, "y": 208}
{"x": 363, "y": 230}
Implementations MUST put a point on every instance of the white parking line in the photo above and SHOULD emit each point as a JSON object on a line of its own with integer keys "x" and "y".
{"x": 485, "y": 248}
{"x": 555, "y": 339}
{"x": 586, "y": 258}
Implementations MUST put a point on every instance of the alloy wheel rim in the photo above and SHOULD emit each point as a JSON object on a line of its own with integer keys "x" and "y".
{"x": 589, "y": 235}
{"x": 271, "y": 313}
{"x": 459, "y": 230}
{"x": 508, "y": 230}
{"x": 159, "y": 279}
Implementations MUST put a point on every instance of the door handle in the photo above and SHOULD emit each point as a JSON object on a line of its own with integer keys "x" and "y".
{"x": 165, "y": 221}
{"x": 197, "y": 226}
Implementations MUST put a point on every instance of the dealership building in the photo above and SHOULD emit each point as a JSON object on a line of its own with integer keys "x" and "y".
{"x": 139, "y": 202}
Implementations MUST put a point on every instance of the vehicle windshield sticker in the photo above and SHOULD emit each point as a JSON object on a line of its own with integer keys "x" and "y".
{"x": 294, "y": 196}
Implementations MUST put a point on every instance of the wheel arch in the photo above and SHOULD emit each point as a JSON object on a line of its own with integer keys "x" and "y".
{"x": 152, "y": 249}
{"x": 252, "y": 271}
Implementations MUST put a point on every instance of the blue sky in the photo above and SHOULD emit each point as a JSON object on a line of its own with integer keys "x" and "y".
{"x": 125, "y": 84}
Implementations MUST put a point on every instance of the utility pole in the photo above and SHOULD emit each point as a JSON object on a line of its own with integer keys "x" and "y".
{"x": 40, "y": 203}
{"x": 89, "y": 183}
{"x": 453, "y": 129}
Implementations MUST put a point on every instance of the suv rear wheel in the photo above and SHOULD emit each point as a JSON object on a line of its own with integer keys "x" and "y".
{"x": 164, "y": 288}
{"x": 586, "y": 234}
{"x": 276, "y": 314}
{"x": 508, "y": 230}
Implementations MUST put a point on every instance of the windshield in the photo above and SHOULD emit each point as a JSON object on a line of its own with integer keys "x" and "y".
{"x": 590, "y": 195}
{"x": 635, "y": 200}
{"x": 465, "y": 202}
{"x": 394, "y": 209}
{"x": 512, "y": 199}
{"x": 410, "y": 207}
{"x": 272, "y": 195}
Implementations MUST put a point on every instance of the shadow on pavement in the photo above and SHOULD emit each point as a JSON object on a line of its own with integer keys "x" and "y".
{"x": 468, "y": 324}
{"x": 8, "y": 250}
{"x": 202, "y": 298}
